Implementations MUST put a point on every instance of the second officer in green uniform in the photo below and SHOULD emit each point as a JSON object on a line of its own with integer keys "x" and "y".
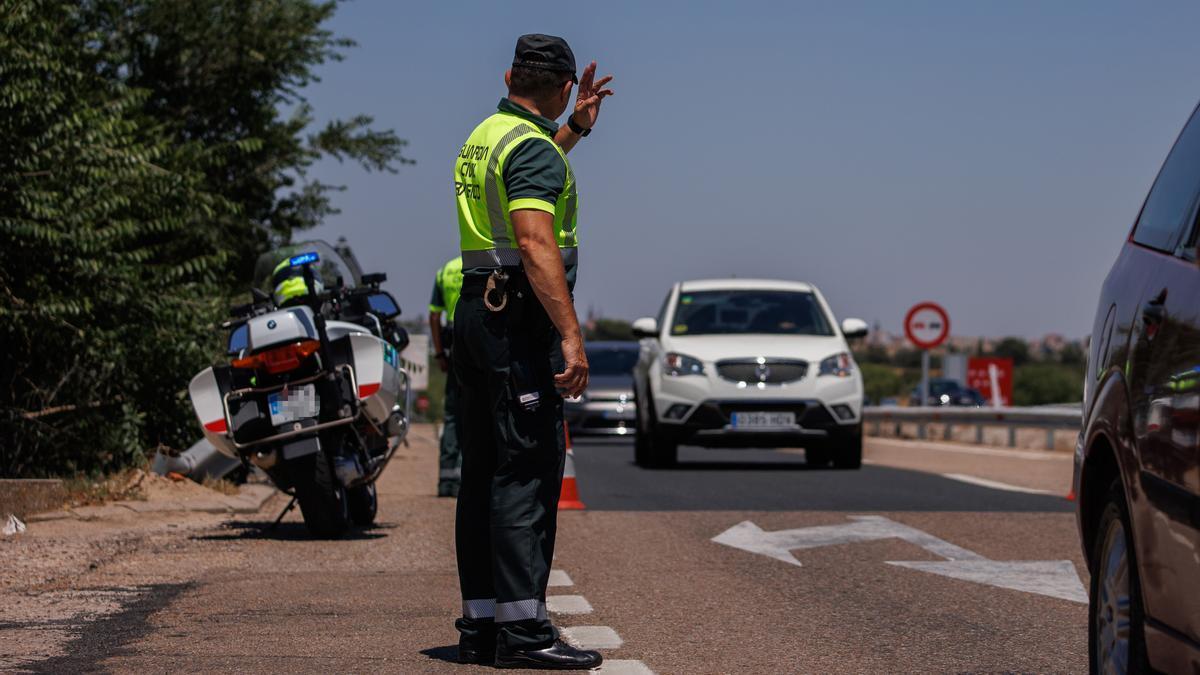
{"x": 447, "y": 285}
{"x": 517, "y": 350}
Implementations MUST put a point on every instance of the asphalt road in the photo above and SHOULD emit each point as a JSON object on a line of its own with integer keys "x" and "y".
{"x": 733, "y": 562}
{"x": 767, "y": 480}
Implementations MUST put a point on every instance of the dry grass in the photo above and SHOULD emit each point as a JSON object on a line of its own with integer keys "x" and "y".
{"x": 86, "y": 491}
{"x": 220, "y": 485}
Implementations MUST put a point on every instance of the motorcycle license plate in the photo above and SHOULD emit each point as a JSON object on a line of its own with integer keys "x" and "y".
{"x": 296, "y": 403}
{"x": 763, "y": 420}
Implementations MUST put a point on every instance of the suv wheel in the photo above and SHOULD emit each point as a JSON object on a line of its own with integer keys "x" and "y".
{"x": 816, "y": 457}
{"x": 1116, "y": 637}
{"x": 650, "y": 447}
{"x": 848, "y": 455}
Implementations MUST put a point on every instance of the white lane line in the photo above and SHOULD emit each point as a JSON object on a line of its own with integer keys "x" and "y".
{"x": 939, "y": 446}
{"x": 592, "y": 637}
{"x": 993, "y": 484}
{"x": 560, "y": 578}
{"x": 568, "y": 604}
{"x": 623, "y": 667}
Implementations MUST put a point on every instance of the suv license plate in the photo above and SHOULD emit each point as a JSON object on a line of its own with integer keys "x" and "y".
{"x": 763, "y": 420}
{"x": 293, "y": 404}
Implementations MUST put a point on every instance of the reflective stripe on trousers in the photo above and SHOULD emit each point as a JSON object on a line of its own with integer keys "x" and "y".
{"x": 518, "y": 610}
{"x": 510, "y": 257}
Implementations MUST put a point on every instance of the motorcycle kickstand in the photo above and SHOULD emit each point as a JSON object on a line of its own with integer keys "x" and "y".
{"x": 290, "y": 505}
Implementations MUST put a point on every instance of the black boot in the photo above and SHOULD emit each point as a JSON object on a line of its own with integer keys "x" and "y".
{"x": 484, "y": 655}
{"x": 558, "y": 656}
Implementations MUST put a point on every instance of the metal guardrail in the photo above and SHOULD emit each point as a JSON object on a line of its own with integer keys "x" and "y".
{"x": 1049, "y": 418}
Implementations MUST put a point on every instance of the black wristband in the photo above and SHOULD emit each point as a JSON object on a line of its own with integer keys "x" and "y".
{"x": 571, "y": 124}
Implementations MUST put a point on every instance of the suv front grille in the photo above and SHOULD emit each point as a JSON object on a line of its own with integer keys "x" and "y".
{"x": 767, "y": 371}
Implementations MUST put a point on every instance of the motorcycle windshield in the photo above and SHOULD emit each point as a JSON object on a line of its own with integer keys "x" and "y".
{"x": 332, "y": 264}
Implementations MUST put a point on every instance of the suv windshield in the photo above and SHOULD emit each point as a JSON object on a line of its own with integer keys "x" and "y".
{"x": 751, "y": 311}
{"x": 612, "y": 360}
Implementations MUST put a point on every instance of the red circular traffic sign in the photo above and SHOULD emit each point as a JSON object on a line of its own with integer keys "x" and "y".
{"x": 927, "y": 325}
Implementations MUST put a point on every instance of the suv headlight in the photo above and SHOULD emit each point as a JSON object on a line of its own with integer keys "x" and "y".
{"x": 676, "y": 364}
{"x": 838, "y": 365}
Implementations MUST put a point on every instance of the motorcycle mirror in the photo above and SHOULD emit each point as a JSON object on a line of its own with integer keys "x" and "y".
{"x": 374, "y": 279}
{"x": 259, "y": 295}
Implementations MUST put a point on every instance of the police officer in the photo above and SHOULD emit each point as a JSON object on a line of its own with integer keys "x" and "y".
{"x": 518, "y": 350}
{"x": 447, "y": 285}
{"x": 288, "y": 287}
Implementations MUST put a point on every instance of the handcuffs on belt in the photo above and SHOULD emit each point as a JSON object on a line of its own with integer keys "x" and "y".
{"x": 496, "y": 282}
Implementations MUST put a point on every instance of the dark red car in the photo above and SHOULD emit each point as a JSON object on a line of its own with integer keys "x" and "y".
{"x": 1137, "y": 463}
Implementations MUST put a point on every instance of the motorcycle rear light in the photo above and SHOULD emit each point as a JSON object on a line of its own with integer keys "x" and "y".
{"x": 279, "y": 359}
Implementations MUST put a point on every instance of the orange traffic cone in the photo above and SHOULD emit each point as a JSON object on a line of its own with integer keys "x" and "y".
{"x": 568, "y": 497}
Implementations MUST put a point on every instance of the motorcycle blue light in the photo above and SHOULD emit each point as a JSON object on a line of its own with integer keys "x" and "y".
{"x": 304, "y": 259}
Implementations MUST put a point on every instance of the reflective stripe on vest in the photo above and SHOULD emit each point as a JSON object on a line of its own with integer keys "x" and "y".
{"x": 484, "y": 223}
{"x": 511, "y": 257}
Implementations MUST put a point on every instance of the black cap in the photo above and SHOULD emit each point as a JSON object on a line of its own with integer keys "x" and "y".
{"x": 545, "y": 52}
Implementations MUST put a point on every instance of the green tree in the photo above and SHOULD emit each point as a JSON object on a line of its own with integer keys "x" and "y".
{"x": 97, "y": 319}
{"x": 1047, "y": 383}
{"x": 230, "y": 74}
{"x": 881, "y": 381}
{"x": 608, "y": 329}
{"x": 1013, "y": 348}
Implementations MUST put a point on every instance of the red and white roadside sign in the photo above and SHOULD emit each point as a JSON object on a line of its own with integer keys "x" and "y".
{"x": 927, "y": 325}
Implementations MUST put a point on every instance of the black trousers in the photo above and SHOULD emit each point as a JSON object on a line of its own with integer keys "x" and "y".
{"x": 450, "y": 450}
{"x": 512, "y": 465}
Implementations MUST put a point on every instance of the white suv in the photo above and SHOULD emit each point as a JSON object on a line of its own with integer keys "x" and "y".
{"x": 748, "y": 363}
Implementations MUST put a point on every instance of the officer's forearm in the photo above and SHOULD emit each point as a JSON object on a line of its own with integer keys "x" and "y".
{"x": 435, "y": 331}
{"x": 565, "y": 138}
{"x": 544, "y": 267}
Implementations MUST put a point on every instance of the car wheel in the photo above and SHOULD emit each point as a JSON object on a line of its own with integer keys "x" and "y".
{"x": 849, "y": 454}
{"x": 816, "y": 457}
{"x": 664, "y": 452}
{"x": 651, "y": 449}
{"x": 641, "y": 433}
{"x": 1116, "y": 630}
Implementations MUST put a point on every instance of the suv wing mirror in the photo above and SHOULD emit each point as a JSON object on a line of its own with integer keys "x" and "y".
{"x": 854, "y": 328}
{"x": 645, "y": 327}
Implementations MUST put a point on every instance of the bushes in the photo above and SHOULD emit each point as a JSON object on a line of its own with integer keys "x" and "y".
{"x": 144, "y": 164}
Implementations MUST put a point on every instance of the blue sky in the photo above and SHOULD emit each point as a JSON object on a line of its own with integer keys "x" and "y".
{"x": 990, "y": 156}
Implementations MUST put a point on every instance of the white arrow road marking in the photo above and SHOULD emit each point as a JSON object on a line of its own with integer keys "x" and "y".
{"x": 1054, "y": 578}
{"x": 749, "y": 537}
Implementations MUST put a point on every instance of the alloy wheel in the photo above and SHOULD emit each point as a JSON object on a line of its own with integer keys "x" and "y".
{"x": 1114, "y": 616}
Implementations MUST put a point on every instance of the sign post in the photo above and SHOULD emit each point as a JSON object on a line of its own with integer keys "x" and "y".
{"x": 927, "y": 326}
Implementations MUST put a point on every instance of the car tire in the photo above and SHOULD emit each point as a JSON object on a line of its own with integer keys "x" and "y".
{"x": 641, "y": 433}
{"x": 849, "y": 454}
{"x": 664, "y": 452}
{"x": 651, "y": 449}
{"x": 817, "y": 457}
{"x": 1115, "y": 595}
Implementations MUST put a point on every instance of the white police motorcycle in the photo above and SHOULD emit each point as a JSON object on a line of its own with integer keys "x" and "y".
{"x": 315, "y": 394}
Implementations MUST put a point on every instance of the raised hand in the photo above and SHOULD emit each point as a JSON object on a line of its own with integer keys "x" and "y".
{"x": 589, "y": 97}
